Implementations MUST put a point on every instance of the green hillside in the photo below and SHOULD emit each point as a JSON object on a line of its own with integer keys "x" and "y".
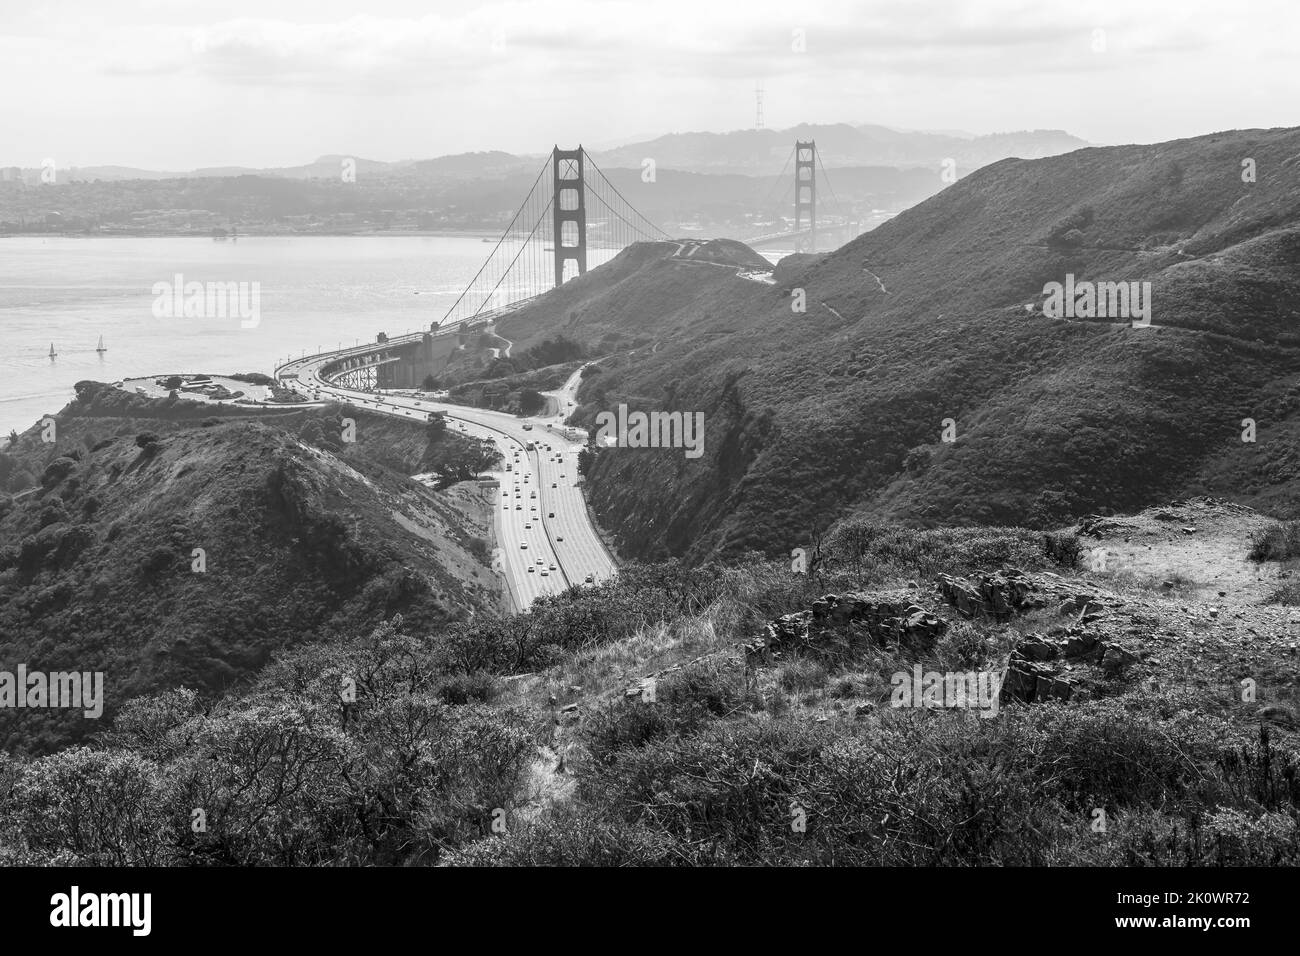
{"x": 303, "y": 538}
{"x": 840, "y": 409}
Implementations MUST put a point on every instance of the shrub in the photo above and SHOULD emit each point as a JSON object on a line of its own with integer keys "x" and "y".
{"x": 56, "y": 471}
{"x": 571, "y": 837}
{"x": 684, "y": 702}
{"x": 1278, "y": 542}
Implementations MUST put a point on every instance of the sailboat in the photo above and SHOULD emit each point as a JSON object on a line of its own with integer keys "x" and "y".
{"x": 100, "y": 349}
{"x": 52, "y": 352}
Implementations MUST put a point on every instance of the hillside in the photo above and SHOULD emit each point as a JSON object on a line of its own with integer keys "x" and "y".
{"x": 743, "y": 715}
{"x": 303, "y": 539}
{"x": 813, "y": 416}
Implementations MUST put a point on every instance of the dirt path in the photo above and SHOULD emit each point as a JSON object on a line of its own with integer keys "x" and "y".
{"x": 1201, "y": 547}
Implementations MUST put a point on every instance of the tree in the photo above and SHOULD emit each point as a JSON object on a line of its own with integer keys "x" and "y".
{"x": 437, "y": 426}
{"x": 431, "y": 384}
{"x": 531, "y": 401}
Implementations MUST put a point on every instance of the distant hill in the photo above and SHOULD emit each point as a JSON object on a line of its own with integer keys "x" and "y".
{"x": 841, "y": 409}
{"x": 764, "y": 150}
{"x": 731, "y": 183}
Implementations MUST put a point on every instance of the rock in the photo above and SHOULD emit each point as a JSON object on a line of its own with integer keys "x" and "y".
{"x": 1078, "y": 645}
{"x": 829, "y": 617}
{"x": 999, "y": 595}
{"x": 1090, "y": 612}
{"x": 1099, "y": 526}
{"x": 1036, "y": 648}
{"x": 1029, "y": 682}
{"x": 1116, "y": 658}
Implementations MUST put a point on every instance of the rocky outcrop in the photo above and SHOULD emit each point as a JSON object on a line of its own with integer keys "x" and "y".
{"x": 835, "y": 622}
{"x": 1035, "y": 664}
{"x": 1002, "y": 594}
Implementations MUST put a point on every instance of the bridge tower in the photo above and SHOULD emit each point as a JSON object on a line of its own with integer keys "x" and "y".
{"x": 570, "y": 236}
{"x": 805, "y": 188}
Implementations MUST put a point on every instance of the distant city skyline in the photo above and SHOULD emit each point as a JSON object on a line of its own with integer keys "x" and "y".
{"x": 281, "y": 82}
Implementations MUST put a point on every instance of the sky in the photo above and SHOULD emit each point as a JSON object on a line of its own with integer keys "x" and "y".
{"x": 180, "y": 85}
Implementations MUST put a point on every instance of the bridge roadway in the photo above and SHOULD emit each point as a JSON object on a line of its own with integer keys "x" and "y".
{"x": 553, "y": 528}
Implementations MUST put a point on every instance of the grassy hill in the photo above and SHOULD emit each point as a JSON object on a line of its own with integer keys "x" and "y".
{"x": 303, "y": 537}
{"x": 840, "y": 409}
{"x": 691, "y": 716}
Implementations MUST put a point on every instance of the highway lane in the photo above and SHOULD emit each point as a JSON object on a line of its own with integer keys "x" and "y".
{"x": 553, "y": 528}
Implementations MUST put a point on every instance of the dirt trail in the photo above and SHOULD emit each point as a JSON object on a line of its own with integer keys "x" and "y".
{"x": 1201, "y": 546}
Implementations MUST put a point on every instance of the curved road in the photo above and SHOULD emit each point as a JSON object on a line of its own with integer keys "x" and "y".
{"x": 545, "y": 538}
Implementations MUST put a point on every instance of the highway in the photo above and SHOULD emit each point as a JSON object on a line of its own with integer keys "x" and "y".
{"x": 545, "y": 538}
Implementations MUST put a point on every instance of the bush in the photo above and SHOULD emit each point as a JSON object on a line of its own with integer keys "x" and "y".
{"x": 876, "y": 552}
{"x": 684, "y": 702}
{"x": 1063, "y": 547}
{"x": 56, "y": 471}
{"x": 1279, "y": 542}
{"x": 571, "y": 837}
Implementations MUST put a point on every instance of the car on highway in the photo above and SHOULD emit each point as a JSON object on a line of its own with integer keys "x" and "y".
{"x": 550, "y": 514}
{"x": 523, "y": 546}
{"x": 591, "y": 579}
{"x": 527, "y": 526}
{"x": 530, "y": 569}
{"x": 552, "y": 567}
{"x": 555, "y": 484}
{"x": 545, "y": 573}
{"x": 559, "y": 537}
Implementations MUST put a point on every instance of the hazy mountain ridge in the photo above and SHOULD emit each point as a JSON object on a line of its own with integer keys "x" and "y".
{"x": 839, "y": 144}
